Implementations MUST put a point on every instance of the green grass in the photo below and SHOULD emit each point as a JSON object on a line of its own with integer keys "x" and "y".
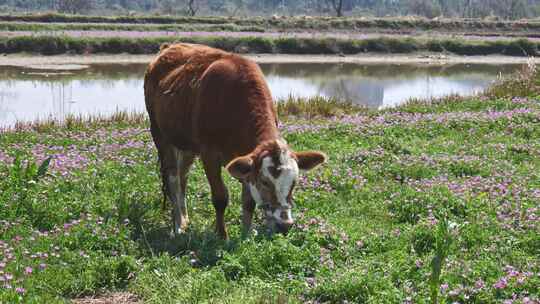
{"x": 399, "y": 183}
{"x": 50, "y": 45}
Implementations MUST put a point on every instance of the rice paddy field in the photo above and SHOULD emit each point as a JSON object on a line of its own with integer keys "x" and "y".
{"x": 50, "y": 34}
{"x": 431, "y": 202}
{"x": 281, "y": 23}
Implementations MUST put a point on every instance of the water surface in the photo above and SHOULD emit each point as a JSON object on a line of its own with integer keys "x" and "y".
{"x": 27, "y": 94}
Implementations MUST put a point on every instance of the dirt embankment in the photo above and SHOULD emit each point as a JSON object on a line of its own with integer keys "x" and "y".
{"x": 69, "y": 61}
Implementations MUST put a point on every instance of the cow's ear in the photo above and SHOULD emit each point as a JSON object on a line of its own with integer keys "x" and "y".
{"x": 240, "y": 167}
{"x": 310, "y": 159}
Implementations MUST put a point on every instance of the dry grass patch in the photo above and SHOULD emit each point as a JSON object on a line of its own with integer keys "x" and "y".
{"x": 112, "y": 298}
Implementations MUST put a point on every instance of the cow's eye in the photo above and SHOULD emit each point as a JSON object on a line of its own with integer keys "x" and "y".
{"x": 266, "y": 183}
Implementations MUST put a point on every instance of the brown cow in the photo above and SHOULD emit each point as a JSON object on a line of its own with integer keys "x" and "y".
{"x": 207, "y": 102}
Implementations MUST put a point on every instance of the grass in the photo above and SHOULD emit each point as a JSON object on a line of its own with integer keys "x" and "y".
{"x": 298, "y": 23}
{"x": 291, "y": 108}
{"x": 431, "y": 199}
{"x": 521, "y": 84}
{"x": 49, "y": 27}
{"x": 50, "y": 45}
{"x": 315, "y": 107}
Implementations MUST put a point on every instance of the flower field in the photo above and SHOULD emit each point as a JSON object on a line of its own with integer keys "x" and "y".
{"x": 431, "y": 199}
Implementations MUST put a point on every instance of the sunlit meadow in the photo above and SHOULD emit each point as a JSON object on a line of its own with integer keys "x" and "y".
{"x": 435, "y": 199}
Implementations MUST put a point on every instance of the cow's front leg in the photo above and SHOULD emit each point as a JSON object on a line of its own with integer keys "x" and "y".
{"x": 248, "y": 207}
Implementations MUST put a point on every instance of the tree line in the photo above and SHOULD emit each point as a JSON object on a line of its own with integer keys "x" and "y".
{"x": 503, "y": 9}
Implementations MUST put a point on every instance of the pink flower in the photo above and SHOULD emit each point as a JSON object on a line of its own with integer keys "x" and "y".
{"x": 479, "y": 284}
{"x": 454, "y": 292}
{"x": 528, "y": 300}
{"x": 444, "y": 287}
{"x": 42, "y": 266}
{"x": 28, "y": 270}
{"x": 501, "y": 284}
{"x": 20, "y": 290}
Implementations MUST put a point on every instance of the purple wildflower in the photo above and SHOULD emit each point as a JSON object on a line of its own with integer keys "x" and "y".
{"x": 28, "y": 270}
{"x": 479, "y": 284}
{"x": 501, "y": 284}
{"x": 444, "y": 287}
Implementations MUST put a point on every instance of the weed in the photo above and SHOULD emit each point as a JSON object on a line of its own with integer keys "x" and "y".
{"x": 443, "y": 241}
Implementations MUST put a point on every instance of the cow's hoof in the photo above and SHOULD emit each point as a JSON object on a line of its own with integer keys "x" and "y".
{"x": 175, "y": 232}
{"x": 249, "y": 233}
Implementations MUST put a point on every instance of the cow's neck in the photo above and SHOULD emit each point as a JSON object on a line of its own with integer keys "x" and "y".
{"x": 263, "y": 120}
{"x": 266, "y": 132}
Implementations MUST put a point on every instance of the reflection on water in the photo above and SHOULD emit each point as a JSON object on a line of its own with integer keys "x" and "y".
{"x": 104, "y": 89}
{"x": 381, "y": 85}
{"x": 27, "y": 95}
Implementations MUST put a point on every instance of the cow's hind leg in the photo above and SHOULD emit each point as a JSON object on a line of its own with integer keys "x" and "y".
{"x": 220, "y": 195}
{"x": 176, "y": 165}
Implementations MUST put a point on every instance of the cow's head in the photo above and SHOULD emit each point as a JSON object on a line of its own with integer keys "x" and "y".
{"x": 271, "y": 171}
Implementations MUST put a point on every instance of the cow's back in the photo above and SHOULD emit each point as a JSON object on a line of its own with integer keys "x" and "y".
{"x": 170, "y": 87}
{"x": 204, "y": 98}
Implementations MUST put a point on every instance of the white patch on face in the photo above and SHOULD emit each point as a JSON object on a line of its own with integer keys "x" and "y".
{"x": 284, "y": 182}
{"x": 255, "y": 195}
{"x": 279, "y": 219}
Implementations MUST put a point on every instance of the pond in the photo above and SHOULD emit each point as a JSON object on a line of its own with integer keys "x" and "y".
{"x": 28, "y": 94}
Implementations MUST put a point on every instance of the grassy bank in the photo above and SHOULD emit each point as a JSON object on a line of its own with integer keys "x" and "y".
{"x": 301, "y": 23}
{"x": 48, "y": 27}
{"x": 454, "y": 180}
{"x": 50, "y": 45}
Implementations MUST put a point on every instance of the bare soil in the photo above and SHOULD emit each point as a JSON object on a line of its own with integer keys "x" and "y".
{"x": 62, "y": 61}
{"x": 113, "y": 298}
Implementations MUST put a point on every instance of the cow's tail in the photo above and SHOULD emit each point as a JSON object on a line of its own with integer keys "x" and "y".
{"x": 156, "y": 135}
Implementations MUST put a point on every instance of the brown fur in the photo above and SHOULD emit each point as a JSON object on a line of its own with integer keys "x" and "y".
{"x": 202, "y": 99}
